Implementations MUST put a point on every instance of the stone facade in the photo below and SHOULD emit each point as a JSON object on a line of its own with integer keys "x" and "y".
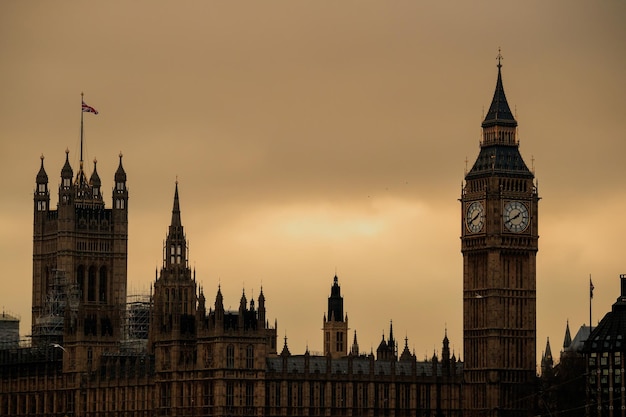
{"x": 499, "y": 235}
{"x": 215, "y": 362}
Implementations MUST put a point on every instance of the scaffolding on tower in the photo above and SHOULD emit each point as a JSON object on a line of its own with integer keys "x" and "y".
{"x": 62, "y": 293}
{"x": 137, "y": 322}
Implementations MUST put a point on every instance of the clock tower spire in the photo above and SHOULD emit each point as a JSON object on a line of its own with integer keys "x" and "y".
{"x": 499, "y": 236}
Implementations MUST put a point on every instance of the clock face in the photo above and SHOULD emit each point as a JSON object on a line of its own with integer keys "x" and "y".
{"x": 475, "y": 217}
{"x": 516, "y": 218}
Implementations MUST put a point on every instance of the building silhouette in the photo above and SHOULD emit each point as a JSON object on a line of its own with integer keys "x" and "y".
{"x": 95, "y": 354}
{"x": 499, "y": 208}
{"x": 604, "y": 353}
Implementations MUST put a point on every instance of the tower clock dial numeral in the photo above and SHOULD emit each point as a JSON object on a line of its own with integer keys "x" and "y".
{"x": 475, "y": 217}
{"x": 516, "y": 217}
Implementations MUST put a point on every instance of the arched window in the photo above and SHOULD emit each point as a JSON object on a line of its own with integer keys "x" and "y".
{"x": 103, "y": 290}
{"x": 80, "y": 281}
{"x": 230, "y": 356}
{"x": 250, "y": 357}
{"x": 91, "y": 284}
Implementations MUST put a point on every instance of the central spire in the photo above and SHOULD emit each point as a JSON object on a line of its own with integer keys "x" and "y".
{"x": 176, "y": 243}
{"x": 499, "y": 113}
{"x": 176, "y": 209}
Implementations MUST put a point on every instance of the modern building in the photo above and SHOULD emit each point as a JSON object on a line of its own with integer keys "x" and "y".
{"x": 605, "y": 355}
{"x": 94, "y": 354}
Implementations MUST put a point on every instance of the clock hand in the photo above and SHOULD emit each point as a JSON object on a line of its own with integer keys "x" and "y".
{"x": 514, "y": 217}
{"x": 474, "y": 218}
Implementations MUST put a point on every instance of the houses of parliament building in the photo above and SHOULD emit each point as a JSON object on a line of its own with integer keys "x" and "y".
{"x": 93, "y": 352}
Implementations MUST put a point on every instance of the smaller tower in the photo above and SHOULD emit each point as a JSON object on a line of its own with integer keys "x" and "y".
{"x": 335, "y": 324}
{"x": 42, "y": 194}
{"x": 547, "y": 362}
{"x": 175, "y": 300}
{"x": 354, "y": 351}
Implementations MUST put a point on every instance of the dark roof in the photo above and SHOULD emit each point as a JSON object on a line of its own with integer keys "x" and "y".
{"x": 95, "y": 178}
{"x": 499, "y": 160}
{"x": 610, "y": 334}
{"x": 317, "y": 364}
{"x": 499, "y": 112}
{"x": 66, "y": 171}
{"x": 120, "y": 174}
{"x": 42, "y": 177}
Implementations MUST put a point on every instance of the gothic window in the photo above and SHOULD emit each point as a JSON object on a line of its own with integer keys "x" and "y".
{"x": 230, "y": 394}
{"x": 327, "y": 342}
{"x": 250, "y": 357}
{"x": 89, "y": 357}
{"x": 80, "y": 280}
{"x": 119, "y": 203}
{"x": 230, "y": 356}
{"x": 339, "y": 341}
{"x": 119, "y": 186}
{"x": 250, "y": 394}
{"x": 91, "y": 284}
{"x": 103, "y": 285}
{"x": 66, "y": 182}
{"x": 166, "y": 395}
{"x": 208, "y": 393}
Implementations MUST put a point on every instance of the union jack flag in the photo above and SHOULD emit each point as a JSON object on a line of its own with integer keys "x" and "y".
{"x": 89, "y": 109}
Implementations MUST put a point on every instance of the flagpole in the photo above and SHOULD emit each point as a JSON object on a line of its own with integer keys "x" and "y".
{"x": 81, "y": 129}
{"x": 590, "y": 298}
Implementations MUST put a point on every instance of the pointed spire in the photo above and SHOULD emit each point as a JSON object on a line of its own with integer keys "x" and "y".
{"x": 499, "y": 112}
{"x": 335, "y": 302}
{"x": 285, "y": 351}
{"x": 94, "y": 181}
{"x": 406, "y": 353}
{"x": 120, "y": 174}
{"x": 548, "y": 353}
{"x": 567, "y": 341}
{"x": 67, "y": 171}
{"x": 355, "y": 346}
{"x": 176, "y": 209}
{"x": 42, "y": 176}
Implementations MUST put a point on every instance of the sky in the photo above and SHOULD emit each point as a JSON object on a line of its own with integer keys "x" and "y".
{"x": 314, "y": 138}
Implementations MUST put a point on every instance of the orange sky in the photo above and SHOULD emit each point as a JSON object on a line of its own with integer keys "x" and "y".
{"x": 310, "y": 137}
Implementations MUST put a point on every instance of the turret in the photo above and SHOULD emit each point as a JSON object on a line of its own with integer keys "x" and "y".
{"x": 354, "y": 351}
{"x": 241, "y": 318}
{"x": 95, "y": 182}
{"x": 261, "y": 316}
{"x": 219, "y": 308}
{"x": 120, "y": 192}
{"x": 65, "y": 189}
{"x": 547, "y": 362}
{"x": 445, "y": 354}
{"x": 42, "y": 194}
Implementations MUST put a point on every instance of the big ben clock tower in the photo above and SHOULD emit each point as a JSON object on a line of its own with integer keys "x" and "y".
{"x": 499, "y": 245}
